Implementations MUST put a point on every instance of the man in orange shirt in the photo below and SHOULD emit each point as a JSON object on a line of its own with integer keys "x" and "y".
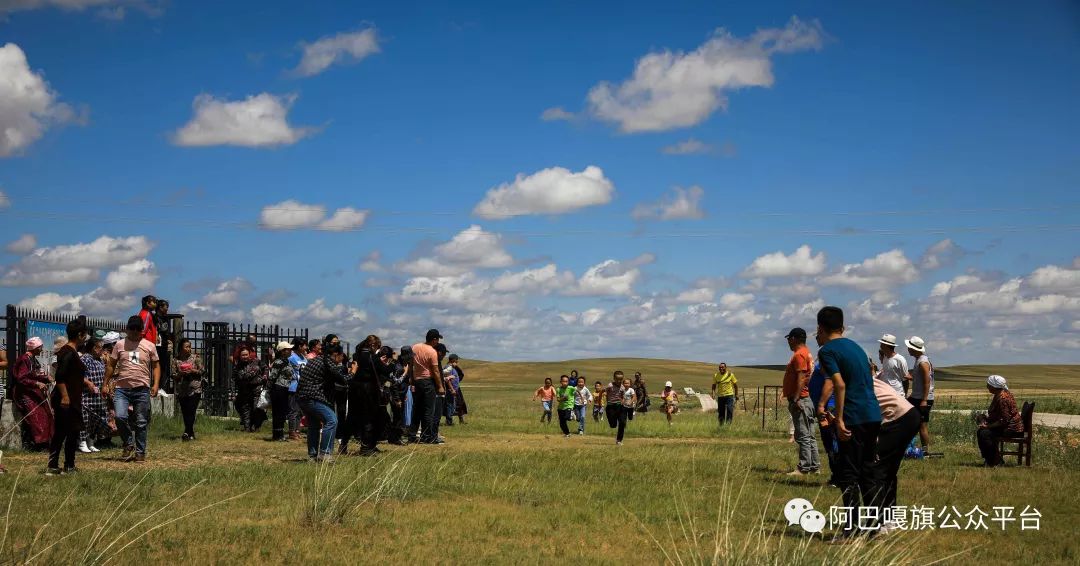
{"x": 796, "y": 378}
{"x": 428, "y": 390}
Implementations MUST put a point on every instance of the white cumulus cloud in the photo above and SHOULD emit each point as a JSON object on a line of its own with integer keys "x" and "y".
{"x": 228, "y": 292}
{"x": 673, "y": 89}
{"x": 294, "y": 215}
{"x": 345, "y": 219}
{"x": 556, "y": 113}
{"x": 555, "y": 190}
{"x": 28, "y": 107}
{"x": 22, "y": 245}
{"x": 130, "y": 277}
{"x": 259, "y": 120}
{"x": 610, "y": 278}
{"x": 351, "y": 47}
{"x": 474, "y": 247}
{"x": 802, "y": 262}
{"x": 542, "y": 280}
{"x": 681, "y": 204}
{"x": 884, "y": 272}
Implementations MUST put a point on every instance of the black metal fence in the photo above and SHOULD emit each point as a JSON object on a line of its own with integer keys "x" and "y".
{"x": 18, "y": 321}
{"x": 216, "y": 342}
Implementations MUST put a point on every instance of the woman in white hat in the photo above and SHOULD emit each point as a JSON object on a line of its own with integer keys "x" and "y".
{"x": 281, "y": 375}
{"x": 31, "y": 397}
{"x": 922, "y": 386}
{"x": 1002, "y": 419}
{"x": 670, "y": 398}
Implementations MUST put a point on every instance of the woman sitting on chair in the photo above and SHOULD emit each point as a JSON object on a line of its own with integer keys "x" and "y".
{"x": 1002, "y": 420}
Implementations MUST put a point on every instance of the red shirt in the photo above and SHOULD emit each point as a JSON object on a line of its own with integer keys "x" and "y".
{"x": 800, "y": 362}
{"x": 149, "y": 327}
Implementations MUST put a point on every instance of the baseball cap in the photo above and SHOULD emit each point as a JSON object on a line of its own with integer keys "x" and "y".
{"x": 284, "y": 345}
{"x": 432, "y": 334}
{"x": 797, "y": 333}
{"x": 667, "y": 384}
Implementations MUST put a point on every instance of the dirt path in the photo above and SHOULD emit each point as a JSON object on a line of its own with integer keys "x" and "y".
{"x": 1042, "y": 419}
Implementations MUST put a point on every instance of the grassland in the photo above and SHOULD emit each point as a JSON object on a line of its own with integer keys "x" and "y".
{"x": 506, "y": 489}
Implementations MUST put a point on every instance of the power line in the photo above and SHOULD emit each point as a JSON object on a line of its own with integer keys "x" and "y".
{"x": 725, "y": 234}
{"x": 140, "y": 203}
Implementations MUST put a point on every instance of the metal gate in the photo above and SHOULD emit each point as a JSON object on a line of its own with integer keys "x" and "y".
{"x": 215, "y": 342}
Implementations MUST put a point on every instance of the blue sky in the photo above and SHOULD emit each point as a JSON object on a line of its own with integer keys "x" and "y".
{"x": 926, "y": 155}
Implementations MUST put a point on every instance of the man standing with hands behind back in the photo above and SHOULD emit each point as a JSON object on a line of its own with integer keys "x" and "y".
{"x": 133, "y": 376}
{"x": 796, "y": 378}
{"x": 428, "y": 388}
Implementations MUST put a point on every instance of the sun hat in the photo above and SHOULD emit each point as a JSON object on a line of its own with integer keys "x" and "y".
{"x": 34, "y": 343}
{"x": 110, "y": 338}
{"x": 667, "y": 384}
{"x": 888, "y": 340}
{"x": 284, "y": 345}
{"x": 916, "y": 343}
{"x": 997, "y": 382}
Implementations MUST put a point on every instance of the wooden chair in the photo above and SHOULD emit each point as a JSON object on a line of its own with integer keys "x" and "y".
{"x": 1023, "y": 443}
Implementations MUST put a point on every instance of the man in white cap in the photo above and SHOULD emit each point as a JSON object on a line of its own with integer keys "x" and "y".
{"x": 922, "y": 386}
{"x": 894, "y": 368}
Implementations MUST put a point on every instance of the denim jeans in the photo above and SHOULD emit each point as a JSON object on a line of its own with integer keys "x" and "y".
{"x": 135, "y": 400}
{"x": 725, "y": 408}
{"x": 294, "y": 413}
{"x": 319, "y": 412}
{"x": 579, "y": 410}
{"x": 547, "y": 410}
{"x": 802, "y": 416}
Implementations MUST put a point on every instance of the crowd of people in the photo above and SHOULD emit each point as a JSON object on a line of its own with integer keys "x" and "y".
{"x": 102, "y": 383}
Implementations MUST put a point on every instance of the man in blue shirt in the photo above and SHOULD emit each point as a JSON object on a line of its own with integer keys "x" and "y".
{"x": 858, "y": 416}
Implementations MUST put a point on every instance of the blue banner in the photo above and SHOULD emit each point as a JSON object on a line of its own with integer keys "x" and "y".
{"x": 47, "y": 331}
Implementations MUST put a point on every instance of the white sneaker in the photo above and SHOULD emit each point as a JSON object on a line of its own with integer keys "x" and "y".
{"x": 93, "y": 448}
{"x": 83, "y": 447}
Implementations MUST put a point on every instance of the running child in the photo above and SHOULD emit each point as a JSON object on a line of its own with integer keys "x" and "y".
{"x": 616, "y": 413}
{"x": 565, "y": 396}
{"x": 629, "y": 399}
{"x": 670, "y": 398}
{"x": 546, "y": 395}
{"x": 583, "y": 397}
{"x": 598, "y": 401}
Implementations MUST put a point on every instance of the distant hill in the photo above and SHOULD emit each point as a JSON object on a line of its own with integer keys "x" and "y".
{"x": 699, "y": 375}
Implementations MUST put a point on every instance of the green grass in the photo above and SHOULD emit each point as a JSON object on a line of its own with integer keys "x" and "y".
{"x": 506, "y": 489}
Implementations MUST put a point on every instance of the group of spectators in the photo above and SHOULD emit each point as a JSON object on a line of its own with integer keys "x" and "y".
{"x": 98, "y": 385}
{"x": 101, "y": 385}
{"x": 868, "y": 415}
{"x": 378, "y": 394}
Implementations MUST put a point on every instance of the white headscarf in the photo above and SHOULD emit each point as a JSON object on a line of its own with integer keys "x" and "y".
{"x": 997, "y": 382}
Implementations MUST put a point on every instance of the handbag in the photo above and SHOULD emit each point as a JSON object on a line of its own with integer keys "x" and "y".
{"x": 263, "y": 402}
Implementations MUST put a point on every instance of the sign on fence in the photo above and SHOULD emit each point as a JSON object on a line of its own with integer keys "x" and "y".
{"x": 48, "y": 332}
